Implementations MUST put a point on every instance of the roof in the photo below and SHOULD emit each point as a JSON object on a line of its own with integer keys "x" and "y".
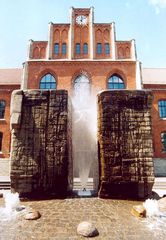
{"x": 10, "y": 76}
{"x": 154, "y": 76}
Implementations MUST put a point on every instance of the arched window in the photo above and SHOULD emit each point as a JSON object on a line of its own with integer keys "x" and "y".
{"x": 81, "y": 82}
{"x": 115, "y": 82}
{"x": 85, "y": 48}
{"x": 99, "y": 48}
{"x": 163, "y": 141}
{"x": 56, "y": 48}
{"x": 78, "y": 49}
{"x": 64, "y": 48}
{"x": 1, "y": 136}
{"x": 81, "y": 86}
{"x": 2, "y": 109}
{"x": 162, "y": 108}
{"x": 107, "y": 48}
{"x": 48, "y": 82}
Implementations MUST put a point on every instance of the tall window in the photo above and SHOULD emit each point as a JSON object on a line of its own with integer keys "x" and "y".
{"x": 81, "y": 91}
{"x": 1, "y": 136}
{"x": 99, "y": 48}
{"x": 56, "y": 48}
{"x": 85, "y": 48}
{"x": 163, "y": 140}
{"x": 115, "y": 82}
{"x": 48, "y": 82}
{"x": 78, "y": 49}
{"x": 2, "y": 109}
{"x": 162, "y": 108}
{"x": 64, "y": 48}
{"x": 107, "y": 48}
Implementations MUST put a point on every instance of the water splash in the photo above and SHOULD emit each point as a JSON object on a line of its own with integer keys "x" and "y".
{"x": 155, "y": 217}
{"x": 84, "y": 129}
{"x": 12, "y": 206}
{"x": 152, "y": 208}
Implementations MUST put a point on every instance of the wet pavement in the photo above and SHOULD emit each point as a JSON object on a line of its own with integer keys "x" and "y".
{"x": 59, "y": 220}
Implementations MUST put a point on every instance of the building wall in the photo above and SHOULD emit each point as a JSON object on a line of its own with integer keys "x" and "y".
{"x": 65, "y": 73}
{"x": 158, "y": 124}
{"x": 5, "y": 94}
{"x": 60, "y": 34}
{"x": 39, "y": 49}
{"x": 97, "y": 67}
{"x": 154, "y": 86}
{"x": 89, "y": 33}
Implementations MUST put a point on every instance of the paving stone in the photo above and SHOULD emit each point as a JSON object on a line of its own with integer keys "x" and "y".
{"x": 60, "y": 218}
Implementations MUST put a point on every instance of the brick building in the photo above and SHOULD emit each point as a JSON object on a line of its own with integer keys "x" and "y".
{"x": 84, "y": 48}
{"x": 9, "y": 80}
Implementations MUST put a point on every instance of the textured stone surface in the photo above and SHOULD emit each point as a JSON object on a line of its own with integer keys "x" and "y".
{"x": 40, "y": 156}
{"x": 16, "y": 108}
{"x": 125, "y": 143}
{"x": 87, "y": 229}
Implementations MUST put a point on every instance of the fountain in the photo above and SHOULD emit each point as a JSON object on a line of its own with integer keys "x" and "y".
{"x": 44, "y": 125}
{"x": 12, "y": 206}
{"x": 84, "y": 128}
{"x": 152, "y": 208}
{"x": 13, "y": 209}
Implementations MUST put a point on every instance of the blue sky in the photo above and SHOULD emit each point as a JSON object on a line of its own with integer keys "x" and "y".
{"x": 143, "y": 20}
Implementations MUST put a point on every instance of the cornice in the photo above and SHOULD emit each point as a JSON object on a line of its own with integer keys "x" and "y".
{"x": 61, "y": 25}
{"x": 80, "y": 63}
{"x": 81, "y": 10}
{"x": 102, "y": 24}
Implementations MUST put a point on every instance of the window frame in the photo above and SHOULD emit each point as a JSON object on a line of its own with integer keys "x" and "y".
{"x": 85, "y": 48}
{"x": 81, "y": 82}
{"x": 48, "y": 80}
{"x": 117, "y": 80}
{"x": 162, "y": 108}
{"x": 163, "y": 141}
{"x": 1, "y": 139}
{"x": 64, "y": 48}
{"x": 107, "y": 48}
{"x": 2, "y": 109}
{"x": 56, "y": 48}
{"x": 78, "y": 48}
{"x": 99, "y": 48}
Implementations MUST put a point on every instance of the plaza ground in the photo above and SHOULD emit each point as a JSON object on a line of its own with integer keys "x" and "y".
{"x": 59, "y": 220}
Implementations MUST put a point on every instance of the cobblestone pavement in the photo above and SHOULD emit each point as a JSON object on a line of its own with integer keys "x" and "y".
{"x": 60, "y": 218}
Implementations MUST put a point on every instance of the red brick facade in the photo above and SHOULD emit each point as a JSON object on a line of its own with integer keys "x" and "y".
{"x": 158, "y": 124}
{"x": 5, "y": 95}
{"x": 91, "y": 49}
{"x": 65, "y": 73}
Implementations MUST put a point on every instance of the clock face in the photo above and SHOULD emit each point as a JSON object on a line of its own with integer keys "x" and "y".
{"x": 81, "y": 20}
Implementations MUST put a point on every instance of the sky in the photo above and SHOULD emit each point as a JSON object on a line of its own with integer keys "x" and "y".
{"x": 142, "y": 20}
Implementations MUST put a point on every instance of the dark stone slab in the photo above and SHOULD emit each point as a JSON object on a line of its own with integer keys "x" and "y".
{"x": 125, "y": 144}
{"x": 40, "y": 146}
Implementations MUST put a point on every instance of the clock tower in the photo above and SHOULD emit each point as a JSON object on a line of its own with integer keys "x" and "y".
{"x": 81, "y": 33}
